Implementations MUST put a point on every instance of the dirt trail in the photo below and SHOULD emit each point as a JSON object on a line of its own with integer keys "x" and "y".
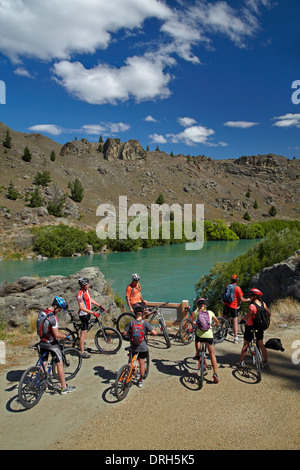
{"x": 173, "y": 413}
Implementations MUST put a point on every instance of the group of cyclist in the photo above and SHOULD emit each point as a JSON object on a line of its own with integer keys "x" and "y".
{"x": 47, "y": 325}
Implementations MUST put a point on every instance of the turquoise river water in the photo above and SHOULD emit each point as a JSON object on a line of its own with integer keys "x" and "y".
{"x": 168, "y": 273}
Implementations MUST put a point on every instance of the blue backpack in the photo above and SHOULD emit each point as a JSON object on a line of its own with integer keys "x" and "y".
{"x": 228, "y": 295}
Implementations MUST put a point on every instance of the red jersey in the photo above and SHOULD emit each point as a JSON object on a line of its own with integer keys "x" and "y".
{"x": 84, "y": 297}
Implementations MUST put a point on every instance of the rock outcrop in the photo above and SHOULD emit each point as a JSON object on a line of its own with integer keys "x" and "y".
{"x": 115, "y": 149}
{"x": 280, "y": 280}
{"x": 28, "y": 295}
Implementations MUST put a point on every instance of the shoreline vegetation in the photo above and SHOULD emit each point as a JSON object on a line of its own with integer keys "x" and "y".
{"x": 63, "y": 241}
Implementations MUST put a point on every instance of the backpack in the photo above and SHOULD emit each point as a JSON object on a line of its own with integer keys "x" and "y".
{"x": 274, "y": 343}
{"x": 39, "y": 326}
{"x": 228, "y": 295}
{"x": 261, "y": 320}
{"x": 203, "y": 320}
{"x": 137, "y": 332}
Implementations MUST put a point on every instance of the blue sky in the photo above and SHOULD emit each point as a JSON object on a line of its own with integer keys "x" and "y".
{"x": 191, "y": 76}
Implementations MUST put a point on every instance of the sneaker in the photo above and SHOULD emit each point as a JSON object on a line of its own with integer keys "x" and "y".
{"x": 238, "y": 340}
{"x": 68, "y": 389}
{"x": 196, "y": 358}
{"x": 85, "y": 355}
{"x": 266, "y": 365}
{"x": 215, "y": 378}
{"x": 241, "y": 364}
{"x": 140, "y": 383}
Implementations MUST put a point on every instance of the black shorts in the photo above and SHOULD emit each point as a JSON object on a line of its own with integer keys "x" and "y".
{"x": 85, "y": 321}
{"x": 204, "y": 340}
{"x": 53, "y": 349}
{"x": 142, "y": 354}
{"x": 248, "y": 335}
{"x": 230, "y": 312}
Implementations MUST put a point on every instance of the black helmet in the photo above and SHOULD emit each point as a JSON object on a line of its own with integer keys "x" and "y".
{"x": 83, "y": 281}
{"x": 139, "y": 309}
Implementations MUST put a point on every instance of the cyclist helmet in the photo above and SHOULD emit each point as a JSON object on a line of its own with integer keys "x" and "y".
{"x": 138, "y": 309}
{"x": 83, "y": 281}
{"x": 255, "y": 291}
{"x": 235, "y": 278}
{"x": 135, "y": 277}
{"x": 59, "y": 302}
{"x": 201, "y": 301}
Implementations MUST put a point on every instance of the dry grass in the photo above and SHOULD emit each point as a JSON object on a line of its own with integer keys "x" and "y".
{"x": 285, "y": 311}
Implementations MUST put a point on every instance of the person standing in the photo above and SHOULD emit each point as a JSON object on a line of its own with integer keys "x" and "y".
{"x": 134, "y": 293}
{"x": 85, "y": 303}
{"x": 231, "y": 306}
{"x": 206, "y": 335}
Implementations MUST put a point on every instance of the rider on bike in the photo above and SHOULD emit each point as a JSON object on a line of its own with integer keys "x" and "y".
{"x": 85, "y": 303}
{"x": 47, "y": 329}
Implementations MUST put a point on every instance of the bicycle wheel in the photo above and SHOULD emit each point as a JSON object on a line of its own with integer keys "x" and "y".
{"x": 220, "y": 330}
{"x": 186, "y": 331}
{"x": 72, "y": 362}
{"x": 70, "y": 343}
{"x": 31, "y": 387}
{"x": 122, "y": 384}
{"x": 122, "y": 322}
{"x": 164, "y": 330}
{"x": 258, "y": 363}
{"x": 108, "y": 340}
{"x": 201, "y": 367}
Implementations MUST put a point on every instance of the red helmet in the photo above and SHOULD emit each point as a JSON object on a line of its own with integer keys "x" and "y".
{"x": 255, "y": 291}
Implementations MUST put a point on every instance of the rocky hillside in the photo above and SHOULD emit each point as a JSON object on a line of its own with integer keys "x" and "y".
{"x": 227, "y": 188}
{"x": 24, "y": 298}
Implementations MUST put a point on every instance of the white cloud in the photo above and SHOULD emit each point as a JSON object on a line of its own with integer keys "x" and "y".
{"x": 158, "y": 139}
{"x": 47, "y": 129}
{"x": 192, "y": 135}
{"x": 141, "y": 78}
{"x": 150, "y": 119}
{"x": 186, "y": 121}
{"x": 57, "y": 29}
{"x": 240, "y": 124}
{"x": 23, "y": 72}
{"x": 288, "y": 120}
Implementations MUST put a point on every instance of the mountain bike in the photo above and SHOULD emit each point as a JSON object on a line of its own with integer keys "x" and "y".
{"x": 256, "y": 355}
{"x": 107, "y": 339}
{"x": 128, "y": 372}
{"x": 37, "y": 379}
{"x": 154, "y": 313}
{"x": 187, "y": 327}
{"x": 225, "y": 327}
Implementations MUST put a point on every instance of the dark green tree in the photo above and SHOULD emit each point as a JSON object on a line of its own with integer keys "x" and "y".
{"x": 7, "y": 140}
{"x": 36, "y": 199}
{"x": 26, "y": 155}
{"x": 12, "y": 192}
{"x": 76, "y": 189}
{"x": 42, "y": 178}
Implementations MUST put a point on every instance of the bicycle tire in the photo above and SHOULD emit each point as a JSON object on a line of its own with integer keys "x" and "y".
{"x": 122, "y": 322}
{"x": 165, "y": 332}
{"x": 201, "y": 369}
{"x": 70, "y": 343}
{"x": 30, "y": 388}
{"x": 72, "y": 362}
{"x": 121, "y": 385}
{"x": 108, "y": 340}
{"x": 258, "y": 363}
{"x": 186, "y": 331}
{"x": 220, "y": 330}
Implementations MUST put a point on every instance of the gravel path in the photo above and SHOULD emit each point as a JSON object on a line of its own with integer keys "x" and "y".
{"x": 172, "y": 412}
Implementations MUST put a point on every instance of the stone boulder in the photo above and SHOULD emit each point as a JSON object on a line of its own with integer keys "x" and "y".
{"x": 114, "y": 149}
{"x": 29, "y": 295}
{"x": 280, "y": 280}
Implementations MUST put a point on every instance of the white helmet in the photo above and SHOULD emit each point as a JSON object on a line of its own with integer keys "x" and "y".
{"x": 135, "y": 277}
